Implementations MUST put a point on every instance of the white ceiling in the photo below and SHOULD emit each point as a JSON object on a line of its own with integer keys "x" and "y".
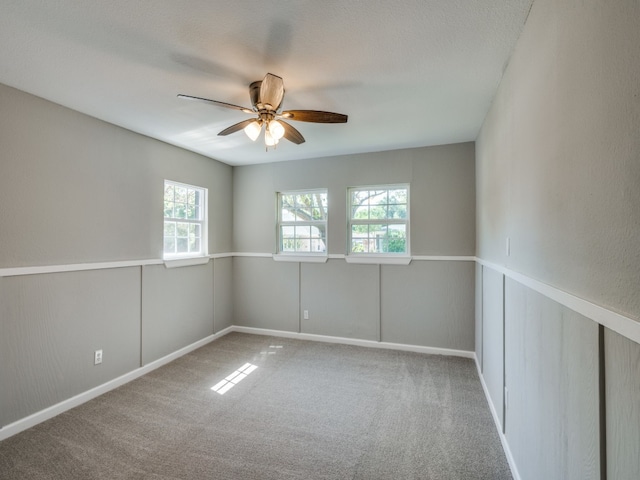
{"x": 408, "y": 73}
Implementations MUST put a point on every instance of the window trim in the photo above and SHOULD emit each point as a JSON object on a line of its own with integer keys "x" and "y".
{"x": 300, "y": 256}
{"x": 402, "y": 258}
{"x": 178, "y": 259}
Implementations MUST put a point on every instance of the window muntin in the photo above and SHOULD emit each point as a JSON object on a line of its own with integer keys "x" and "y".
{"x": 302, "y": 222}
{"x": 185, "y": 220}
{"x": 379, "y": 220}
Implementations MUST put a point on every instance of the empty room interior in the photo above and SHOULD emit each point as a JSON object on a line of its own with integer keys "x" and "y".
{"x": 426, "y": 264}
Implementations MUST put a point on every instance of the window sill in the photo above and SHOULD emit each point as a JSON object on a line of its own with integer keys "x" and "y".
{"x": 379, "y": 259}
{"x": 310, "y": 258}
{"x": 185, "y": 262}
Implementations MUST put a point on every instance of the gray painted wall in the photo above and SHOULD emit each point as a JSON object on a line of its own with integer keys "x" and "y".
{"x": 557, "y": 172}
{"x": 73, "y": 190}
{"x": 493, "y": 338}
{"x": 551, "y": 372}
{"x": 478, "y": 315}
{"x": 177, "y": 308}
{"x": 622, "y": 361}
{"x": 51, "y": 326}
{"x": 266, "y": 294}
{"x": 342, "y": 300}
{"x": 222, "y": 293}
{"x": 427, "y": 303}
{"x": 558, "y": 167}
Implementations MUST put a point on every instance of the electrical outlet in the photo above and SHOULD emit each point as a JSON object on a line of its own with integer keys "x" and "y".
{"x": 97, "y": 357}
{"x": 305, "y": 314}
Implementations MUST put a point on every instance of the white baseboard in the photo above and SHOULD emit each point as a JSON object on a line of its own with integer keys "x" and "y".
{"x": 494, "y": 414}
{"x": 50, "y": 412}
{"x": 355, "y": 341}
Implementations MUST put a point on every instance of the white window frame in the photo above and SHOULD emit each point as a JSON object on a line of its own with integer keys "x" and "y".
{"x": 300, "y": 255}
{"x": 377, "y": 257}
{"x": 201, "y": 220}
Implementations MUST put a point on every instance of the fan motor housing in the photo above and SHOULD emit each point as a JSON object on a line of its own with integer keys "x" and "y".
{"x": 254, "y": 92}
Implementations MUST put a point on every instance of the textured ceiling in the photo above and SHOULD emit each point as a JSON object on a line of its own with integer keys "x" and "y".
{"x": 408, "y": 73}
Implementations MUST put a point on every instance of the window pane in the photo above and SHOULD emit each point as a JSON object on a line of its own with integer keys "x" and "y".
{"x": 287, "y": 214}
{"x": 288, "y": 245}
{"x": 359, "y": 246}
{"x": 303, "y": 200}
{"x": 317, "y": 214}
{"x": 398, "y": 196}
{"x": 319, "y": 200}
{"x": 360, "y": 213}
{"x": 182, "y": 229}
{"x": 303, "y": 214}
{"x": 358, "y": 231}
{"x": 194, "y": 230}
{"x": 191, "y": 212}
{"x": 359, "y": 197}
{"x": 397, "y": 239}
{"x": 303, "y": 231}
{"x": 318, "y": 246}
{"x": 377, "y": 237}
{"x": 169, "y": 245}
{"x": 317, "y": 232}
{"x": 397, "y": 211}
{"x": 182, "y": 245}
{"x": 194, "y": 245}
{"x": 288, "y": 232}
{"x": 181, "y": 194}
{"x": 191, "y": 196}
{"x": 378, "y": 197}
{"x": 377, "y": 230}
{"x": 168, "y": 192}
{"x": 180, "y": 210}
{"x": 168, "y": 209}
{"x": 169, "y": 229}
{"x": 378, "y": 212}
{"x": 287, "y": 201}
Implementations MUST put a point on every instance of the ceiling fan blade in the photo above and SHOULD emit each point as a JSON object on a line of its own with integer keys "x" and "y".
{"x": 291, "y": 133}
{"x": 217, "y": 103}
{"x": 314, "y": 116}
{"x": 236, "y": 127}
{"x": 272, "y": 91}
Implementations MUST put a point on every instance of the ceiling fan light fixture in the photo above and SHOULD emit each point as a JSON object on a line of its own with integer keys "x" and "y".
{"x": 269, "y": 140}
{"x": 253, "y": 130}
{"x": 276, "y": 129}
{"x": 266, "y": 97}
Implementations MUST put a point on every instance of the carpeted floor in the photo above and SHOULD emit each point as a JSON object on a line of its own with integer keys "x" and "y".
{"x": 308, "y": 411}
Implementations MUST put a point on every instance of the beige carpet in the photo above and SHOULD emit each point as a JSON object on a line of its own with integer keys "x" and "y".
{"x": 308, "y": 411}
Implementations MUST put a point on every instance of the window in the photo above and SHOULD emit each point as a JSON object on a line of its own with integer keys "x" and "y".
{"x": 302, "y": 222}
{"x": 379, "y": 220}
{"x": 185, "y": 220}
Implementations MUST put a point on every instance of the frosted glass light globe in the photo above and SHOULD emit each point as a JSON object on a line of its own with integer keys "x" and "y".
{"x": 253, "y": 130}
{"x": 276, "y": 129}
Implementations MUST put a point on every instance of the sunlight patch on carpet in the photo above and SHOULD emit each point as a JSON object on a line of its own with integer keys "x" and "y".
{"x": 232, "y": 380}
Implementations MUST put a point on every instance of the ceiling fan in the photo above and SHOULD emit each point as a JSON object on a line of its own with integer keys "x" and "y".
{"x": 266, "y": 98}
